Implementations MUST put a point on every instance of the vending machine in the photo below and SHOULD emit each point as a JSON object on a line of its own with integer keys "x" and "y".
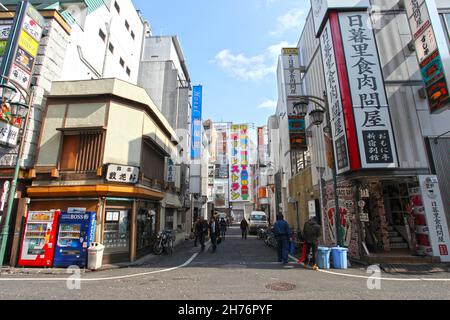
{"x": 75, "y": 234}
{"x": 39, "y": 238}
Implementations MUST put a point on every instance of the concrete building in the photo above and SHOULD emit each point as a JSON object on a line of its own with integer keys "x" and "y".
{"x": 380, "y": 205}
{"x": 94, "y": 130}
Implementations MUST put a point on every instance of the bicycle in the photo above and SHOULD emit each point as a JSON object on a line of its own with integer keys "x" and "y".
{"x": 270, "y": 239}
{"x": 164, "y": 243}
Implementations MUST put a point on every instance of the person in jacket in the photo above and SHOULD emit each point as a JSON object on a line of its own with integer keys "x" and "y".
{"x": 201, "y": 230}
{"x": 196, "y": 239}
{"x": 244, "y": 228}
{"x": 214, "y": 232}
{"x": 282, "y": 233}
{"x": 223, "y": 228}
{"x": 312, "y": 232}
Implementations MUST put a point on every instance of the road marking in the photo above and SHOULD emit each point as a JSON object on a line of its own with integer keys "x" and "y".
{"x": 188, "y": 262}
{"x": 378, "y": 278}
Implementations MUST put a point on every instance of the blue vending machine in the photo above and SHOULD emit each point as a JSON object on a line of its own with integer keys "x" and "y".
{"x": 75, "y": 234}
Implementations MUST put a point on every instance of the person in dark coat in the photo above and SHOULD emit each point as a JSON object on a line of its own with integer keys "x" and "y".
{"x": 223, "y": 228}
{"x": 214, "y": 232}
{"x": 201, "y": 230}
{"x": 244, "y": 228}
{"x": 312, "y": 233}
{"x": 282, "y": 233}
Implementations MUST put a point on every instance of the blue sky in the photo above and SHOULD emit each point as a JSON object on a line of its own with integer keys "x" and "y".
{"x": 231, "y": 48}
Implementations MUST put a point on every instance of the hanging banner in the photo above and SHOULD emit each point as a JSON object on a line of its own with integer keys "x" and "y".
{"x": 335, "y": 102}
{"x": 432, "y": 51}
{"x": 240, "y": 172}
{"x": 435, "y": 215}
{"x": 197, "y": 93}
{"x": 292, "y": 76}
{"x": 370, "y": 106}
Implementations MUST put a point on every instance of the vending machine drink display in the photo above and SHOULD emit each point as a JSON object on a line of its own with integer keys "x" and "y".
{"x": 76, "y": 233}
{"x": 38, "y": 242}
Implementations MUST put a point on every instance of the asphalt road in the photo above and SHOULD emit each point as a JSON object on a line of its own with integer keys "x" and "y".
{"x": 239, "y": 270}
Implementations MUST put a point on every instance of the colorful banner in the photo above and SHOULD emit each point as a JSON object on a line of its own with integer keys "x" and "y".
{"x": 240, "y": 185}
{"x": 297, "y": 133}
{"x": 197, "y": 96}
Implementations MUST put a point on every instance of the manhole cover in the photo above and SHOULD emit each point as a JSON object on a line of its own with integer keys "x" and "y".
{"x": 281, "y": 286}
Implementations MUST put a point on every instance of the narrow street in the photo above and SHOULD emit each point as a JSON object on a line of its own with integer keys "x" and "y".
{"x": 241, "y": 269}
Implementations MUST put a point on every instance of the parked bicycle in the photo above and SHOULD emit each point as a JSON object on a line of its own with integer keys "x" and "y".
{"x": 262, "y": 233}
{"x": 270, "y": 239}
{"x": 164, "y": 243}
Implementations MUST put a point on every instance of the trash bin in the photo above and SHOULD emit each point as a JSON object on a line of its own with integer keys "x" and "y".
{"x": 323, "y": 257}
{"x": 95, "y": 256}
{"x": 339, "y": 257}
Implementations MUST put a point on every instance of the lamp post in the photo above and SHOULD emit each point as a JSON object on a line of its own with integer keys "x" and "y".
{"x": 318, "y": 115}
{"x": 19, "y": 111}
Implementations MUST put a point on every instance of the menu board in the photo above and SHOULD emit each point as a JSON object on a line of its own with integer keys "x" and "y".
{"x": 117, "y": 231}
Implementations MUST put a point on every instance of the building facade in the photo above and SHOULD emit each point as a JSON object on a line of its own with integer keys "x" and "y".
{"x": 381, "y": 196}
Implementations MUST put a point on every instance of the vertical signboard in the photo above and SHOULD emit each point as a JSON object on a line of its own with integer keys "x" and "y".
{"x": 240, "y": 185}
{"x": 197, "y": 96}
{"x": 436, "y": 220}
{"x": 432, "y": 51}
{"x": 297, "y": 133}
{"x": 370, "y": 106}
{"x": 291, "y": 66}
{"x": 335, "y": 102}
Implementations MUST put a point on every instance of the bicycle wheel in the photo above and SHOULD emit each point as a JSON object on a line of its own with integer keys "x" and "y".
{"x": 158, "y": 248}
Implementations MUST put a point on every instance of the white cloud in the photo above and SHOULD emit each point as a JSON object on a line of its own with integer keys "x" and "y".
{"x": 253, "y": 68}
{"x": 292, "y": 20}
{"x": 268, "y": 104}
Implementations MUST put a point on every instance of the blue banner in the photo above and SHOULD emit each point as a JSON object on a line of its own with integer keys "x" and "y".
{"x": 197, "y": 96}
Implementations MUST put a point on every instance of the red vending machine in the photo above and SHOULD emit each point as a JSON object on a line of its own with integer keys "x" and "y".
{"x": 39, "y": 239}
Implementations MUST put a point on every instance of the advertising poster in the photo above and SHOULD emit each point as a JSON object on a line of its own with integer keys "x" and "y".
{"x": 239, "y": 163}
{"x": 197, "y": 96}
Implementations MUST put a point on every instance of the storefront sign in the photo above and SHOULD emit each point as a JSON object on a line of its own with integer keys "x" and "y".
{"x": 9, "y": 134}
{"x": 20, "y": 76}
{"x": 292, "y": 76}
{"x": 297, "y": 133}
{"x": 24, "y": 60}
{"x": 28, "y": 43}
{"x": 122, "y": 174}
{"x": 32, "y": 28}
{"x": 432, "y": 51}
{"x": 436, "y": 220}
{"x": 171, "y": 171}
{"x": 197, "y": 96}
{"x": 4, "y": 197}
{"x": 370, "y": 105}
{"x": 4, "y": 32}
{"x": 312, "y": 208}
{"x": 334, "y": 100}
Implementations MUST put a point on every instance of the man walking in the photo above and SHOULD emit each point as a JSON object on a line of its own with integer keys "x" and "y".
{"x": 213, "y": 232}
{"x": 312, "y": 232}
{"x": 223, "y": 228}
{"x": 244, "y": 228}
{"x": 282, "y": 233}
{"x": 201, "y": 229}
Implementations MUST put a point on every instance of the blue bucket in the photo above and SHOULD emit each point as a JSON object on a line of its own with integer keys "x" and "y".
{"x": 323, "y": 257}
{"x": 339, "y": 258}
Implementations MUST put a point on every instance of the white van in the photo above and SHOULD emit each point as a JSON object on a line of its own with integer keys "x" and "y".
{"x": 258, "y": 220}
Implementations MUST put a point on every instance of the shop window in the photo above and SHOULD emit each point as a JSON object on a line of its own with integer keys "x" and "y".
{"x": 82, "y": 152}
{"x": 117, "y": 231}
{"x": 153, "y": 161}
{"x": 169, "y": 219}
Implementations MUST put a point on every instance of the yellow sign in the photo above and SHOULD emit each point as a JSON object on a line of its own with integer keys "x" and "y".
{"x": 288, "y": 51}
{"x": 28, "y": 44}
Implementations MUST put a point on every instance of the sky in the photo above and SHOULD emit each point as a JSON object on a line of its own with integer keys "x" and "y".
{"x": 231, "y": 48}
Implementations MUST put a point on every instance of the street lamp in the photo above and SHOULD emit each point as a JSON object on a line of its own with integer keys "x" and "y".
{"x": 317, "y": 116}
{"x": 20, "y": 111}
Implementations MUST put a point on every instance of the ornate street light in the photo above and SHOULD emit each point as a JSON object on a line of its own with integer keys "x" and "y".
{"x": 8, "y": 92}
{"x": 317, "y": 116}
{"x": 19, "y": 109}
{"x": 301, "y": 108}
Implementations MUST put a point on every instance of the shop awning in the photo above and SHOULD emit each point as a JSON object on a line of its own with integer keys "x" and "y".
{"x": 171, "y": 201}
{"x": 102, "y": 190}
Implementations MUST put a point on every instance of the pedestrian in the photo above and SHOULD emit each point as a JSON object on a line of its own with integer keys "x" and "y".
{"x": 214, "y": 232}
{"x": 223, "y": 228}
{"x": 196, "y": 234}
{"x": 244, "y": 228}
{"x": 201, "y": 230}
{"x": 282, "y": 233}
{"x": 312, "y": 232}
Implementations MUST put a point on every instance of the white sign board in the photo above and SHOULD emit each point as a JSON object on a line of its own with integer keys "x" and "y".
{"x": 291, "y": 68}
{"x": 122, "y": 174}
{"x": 312, "y": 208}
{"x": 9, "y": 134}
{"x": 320, "y": 9}
{"x": 370, "y": 105}
{"x": 4, "y": 31}
{"x": 436, "y": 220}
{"x": 334, "y": 100}
{"x": 32, "y": 28}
